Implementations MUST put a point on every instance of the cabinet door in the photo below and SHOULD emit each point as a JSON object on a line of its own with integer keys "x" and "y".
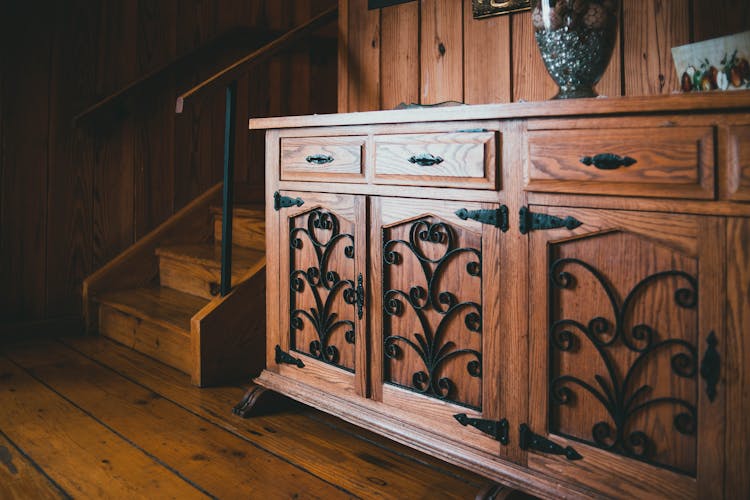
{"x": 626, "y": 336}
{"x": 321, "y": 339}
{"x": 433, "y": 318}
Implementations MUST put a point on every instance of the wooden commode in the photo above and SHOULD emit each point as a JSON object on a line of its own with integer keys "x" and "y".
{"x": 555, "y": 295}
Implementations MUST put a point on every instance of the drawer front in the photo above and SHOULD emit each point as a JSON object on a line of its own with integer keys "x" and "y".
{"x": 452, "y": 159}
{"x": 675, "y": 162}
{"x": 738, "y": 164}
{"x": 332, "y": 159}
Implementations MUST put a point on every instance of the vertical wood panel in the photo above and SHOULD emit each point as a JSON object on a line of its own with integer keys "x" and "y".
{"x": 736, "y": 375}
{"x": 531, "y": 82}
{"x": 719, "y": 17}
{"x": 154, "y": 118}
{"x": 652, "y": 28}
{"x": 364, "y": 57}
{"x": 114, "y": 162}
{"x": 441, "y": 51}
{"x": 611, "y": 83}
{"x": 487, "y": 58}
{"x": 69, "y": 196}
{"x": 399, "y": 55}
{"x": 26, "y": 133}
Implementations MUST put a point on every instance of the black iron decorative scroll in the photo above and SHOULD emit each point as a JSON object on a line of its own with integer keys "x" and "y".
{"x": 431, "y": 346}
{"x": 617, "y": 395}
{"x": 321, "y": 281}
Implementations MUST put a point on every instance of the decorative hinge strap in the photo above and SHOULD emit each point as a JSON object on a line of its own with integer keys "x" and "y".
{"x": 280, "y": 201}
{"x": 360, "y": 296}
{"x": 530, "y": 441}
{"x": 497, "y": 217}
{"x": 710, "y": 366}
{"x": 285, "y": 357}
{"x": 498, "y": 429}
{"x": 530, "y": 221}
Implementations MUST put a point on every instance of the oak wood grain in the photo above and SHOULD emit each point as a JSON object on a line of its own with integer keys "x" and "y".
{"x": 487, "y": 65}
{"x": 399, "y": 55}
{"x": 99, "y": 461}
{"x": 441, "y": 51}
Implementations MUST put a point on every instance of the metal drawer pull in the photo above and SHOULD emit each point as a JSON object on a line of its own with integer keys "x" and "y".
{"x": 426, "y": 160}
{"x": 319, "y": 159}
{"x": 608, "y": 161}
{"x": 710, "y": 366}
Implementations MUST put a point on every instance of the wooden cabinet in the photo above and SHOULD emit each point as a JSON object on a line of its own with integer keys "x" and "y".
{"x": 557, "y": 326}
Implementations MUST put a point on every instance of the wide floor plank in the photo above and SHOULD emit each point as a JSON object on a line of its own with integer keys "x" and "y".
{"x": 196, "y": 449}
{"x": 19, "y": 478}
{"x": 359, "y": 461}
{"x": 85, "y": 458}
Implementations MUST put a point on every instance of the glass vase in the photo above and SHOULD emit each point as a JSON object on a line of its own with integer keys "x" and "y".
{"x": 575, "y": 39}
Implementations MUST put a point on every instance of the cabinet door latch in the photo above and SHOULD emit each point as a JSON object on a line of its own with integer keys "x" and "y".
{"x": 710, "y": 366}
{"x": 280, "y": 201}
{"x": 531, "y": 221}
{"x": 529, "y": 441}
{"x": 497, "y": 217}
{"x": 285, "y": 357}
{"x": 360, "y": 296}
{"x": 498, "y": 429}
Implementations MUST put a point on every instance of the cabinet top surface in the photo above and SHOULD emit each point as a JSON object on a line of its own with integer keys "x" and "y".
{"x": 713, "y": 101}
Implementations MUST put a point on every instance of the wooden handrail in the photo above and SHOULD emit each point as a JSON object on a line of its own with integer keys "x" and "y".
{"x": 242, "y": 38}
{"x": 227, "y": 74}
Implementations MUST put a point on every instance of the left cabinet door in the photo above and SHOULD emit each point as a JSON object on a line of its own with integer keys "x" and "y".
{"x": 321, "y": 321}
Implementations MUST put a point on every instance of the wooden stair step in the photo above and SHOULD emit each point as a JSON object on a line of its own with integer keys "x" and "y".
{"x": 151, "y": 320}
{"x": 196, "y": 268}
{"x": 248, "y": 225}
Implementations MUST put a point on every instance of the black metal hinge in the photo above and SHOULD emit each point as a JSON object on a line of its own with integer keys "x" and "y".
{"x": 498, "y": 429}
{"x": 497, "y": 217}
{"x": 280, "y": 201}
{"x": 531, "y": 221}
{"x": 527, "y": 440}
{"x": 710, "y": 366}
{"x": 285, "y": 357}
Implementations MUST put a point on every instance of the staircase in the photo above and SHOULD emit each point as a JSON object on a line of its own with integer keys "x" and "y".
{"x": 161, "y": 296}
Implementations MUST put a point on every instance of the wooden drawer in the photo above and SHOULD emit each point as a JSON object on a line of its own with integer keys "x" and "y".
{"x": 448, "y": 159}
{"x": 738, "y": 164}
{"x": 332, "y": 159}
{"x": 670, "y": 162}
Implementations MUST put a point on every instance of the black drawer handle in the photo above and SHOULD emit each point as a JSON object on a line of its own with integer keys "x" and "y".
{"x": 608, "y": 161}
{"x": 319, "y": 159}
{"x": 426, "y": 160}
{"x": 710, "y": 366}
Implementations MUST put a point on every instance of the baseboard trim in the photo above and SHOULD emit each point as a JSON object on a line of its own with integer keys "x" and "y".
{"x": 55, "y": 327}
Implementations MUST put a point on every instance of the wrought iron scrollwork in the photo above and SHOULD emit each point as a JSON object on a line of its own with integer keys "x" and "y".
{"x": 324, "y": 285}
{"x": 431, "y": 346}
{"x": 618, "y": 395}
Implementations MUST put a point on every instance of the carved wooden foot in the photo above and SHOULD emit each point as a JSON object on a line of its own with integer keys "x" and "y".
{"x": 249, "y": 404}
{"x": 495, "y": 491}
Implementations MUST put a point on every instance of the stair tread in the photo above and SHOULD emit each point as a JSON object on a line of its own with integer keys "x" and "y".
{"x": 158, "y": 304}
{"x": 210, "y": 254}
{"x": 251, "y": 210}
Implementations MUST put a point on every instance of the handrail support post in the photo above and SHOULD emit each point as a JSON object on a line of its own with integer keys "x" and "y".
{"x": 228, "y": 189}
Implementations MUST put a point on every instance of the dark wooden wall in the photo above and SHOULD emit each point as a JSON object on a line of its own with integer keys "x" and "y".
{"x": 70, "y": 199}
{"x": 393, "y": 54}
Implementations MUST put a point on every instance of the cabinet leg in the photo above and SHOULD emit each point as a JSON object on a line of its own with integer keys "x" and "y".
{"x": 495, "y": 491}
{"x": 248, "y": 405}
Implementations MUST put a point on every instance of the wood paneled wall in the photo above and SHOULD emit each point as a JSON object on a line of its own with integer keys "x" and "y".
{"x": 429, "y": 51}
{"x": 72, "y": 199}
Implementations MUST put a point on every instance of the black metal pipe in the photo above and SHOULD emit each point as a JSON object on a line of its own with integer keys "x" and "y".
{"x": 228, "y": 190}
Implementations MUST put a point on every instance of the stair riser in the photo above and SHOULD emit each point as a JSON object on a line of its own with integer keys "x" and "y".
{"x": 169, "y": 346}
{"x": 248, "y": 232}
{"x": 189, "y": 277}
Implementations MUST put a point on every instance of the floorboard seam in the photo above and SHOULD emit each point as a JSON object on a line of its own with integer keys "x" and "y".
{"x": 64, "y": 494}
{"x": 113, "y": 431}
{"x": 202, "y": 417}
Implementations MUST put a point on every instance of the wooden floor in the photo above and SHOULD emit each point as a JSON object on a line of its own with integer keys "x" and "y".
{"x": 89, "y": 418}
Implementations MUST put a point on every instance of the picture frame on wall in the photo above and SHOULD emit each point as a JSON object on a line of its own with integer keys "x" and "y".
{"x": 488, "y": 8}
{"x": 379, "y": 4}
